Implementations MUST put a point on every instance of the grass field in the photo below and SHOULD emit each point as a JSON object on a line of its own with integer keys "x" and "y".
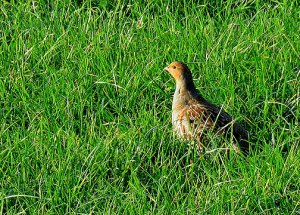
{"x": 85, "y": 106}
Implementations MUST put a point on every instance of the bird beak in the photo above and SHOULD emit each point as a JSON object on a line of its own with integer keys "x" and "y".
{"x": 166, "y": 68}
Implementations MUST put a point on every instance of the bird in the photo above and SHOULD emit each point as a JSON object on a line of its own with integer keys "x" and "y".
{"x": 193, "y": 115}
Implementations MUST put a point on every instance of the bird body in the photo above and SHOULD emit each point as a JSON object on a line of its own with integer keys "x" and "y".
{"x": 192, "y": 115}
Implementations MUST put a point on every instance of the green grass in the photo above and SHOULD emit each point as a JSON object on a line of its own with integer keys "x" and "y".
{"x": 85, "y": 106}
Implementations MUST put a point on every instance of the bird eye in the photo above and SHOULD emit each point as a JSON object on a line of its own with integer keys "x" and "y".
{"x": 174, "y": 67}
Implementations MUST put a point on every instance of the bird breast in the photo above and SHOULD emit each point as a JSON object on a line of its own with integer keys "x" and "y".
{"x": 190, "y": 120}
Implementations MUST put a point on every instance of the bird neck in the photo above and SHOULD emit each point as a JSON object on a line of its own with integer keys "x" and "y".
{"x": 183, "y": 86}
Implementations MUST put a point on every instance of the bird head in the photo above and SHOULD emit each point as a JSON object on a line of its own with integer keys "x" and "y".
{"x": 179, "y": 71}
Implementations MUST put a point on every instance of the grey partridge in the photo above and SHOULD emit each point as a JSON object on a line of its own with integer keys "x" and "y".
{"x": 192, "y": 115}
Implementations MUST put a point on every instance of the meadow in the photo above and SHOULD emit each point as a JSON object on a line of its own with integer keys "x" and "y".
{"x": 85, "y": 106}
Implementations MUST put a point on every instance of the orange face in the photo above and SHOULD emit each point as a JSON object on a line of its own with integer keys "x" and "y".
{"x": 176, "y": 69}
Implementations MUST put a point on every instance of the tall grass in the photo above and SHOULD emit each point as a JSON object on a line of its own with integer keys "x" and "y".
{"x": 85, "y": 107}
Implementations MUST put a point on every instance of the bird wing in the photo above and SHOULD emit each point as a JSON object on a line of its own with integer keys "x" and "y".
{"x": 224, "y": 122}
{"x": 220, "y": 118}
{"x": 206, "y": 112}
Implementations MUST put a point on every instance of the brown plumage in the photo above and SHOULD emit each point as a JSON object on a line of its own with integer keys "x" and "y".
{"x": 192, "y": 114}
